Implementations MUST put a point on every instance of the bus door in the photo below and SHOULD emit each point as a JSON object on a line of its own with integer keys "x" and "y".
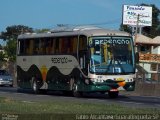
{"x": 82, "y": 53}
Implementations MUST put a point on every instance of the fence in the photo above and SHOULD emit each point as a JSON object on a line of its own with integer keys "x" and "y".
{"x": 147, "y": 84}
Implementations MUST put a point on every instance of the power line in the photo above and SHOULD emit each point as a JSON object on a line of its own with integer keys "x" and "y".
{"x": 115, "y": 21}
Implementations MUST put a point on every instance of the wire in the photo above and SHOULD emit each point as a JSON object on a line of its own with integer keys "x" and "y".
{"x": 115, "y": 21}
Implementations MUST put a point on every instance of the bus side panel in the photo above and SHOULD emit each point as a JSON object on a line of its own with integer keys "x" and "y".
{"x": 58, "y": 81}
{"x": 25, "y": 78}
{"x": 20, "y": 77}
{"x": 53, "y": 71}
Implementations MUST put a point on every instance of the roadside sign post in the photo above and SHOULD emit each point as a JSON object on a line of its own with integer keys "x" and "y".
{"x": 137, "y": 16}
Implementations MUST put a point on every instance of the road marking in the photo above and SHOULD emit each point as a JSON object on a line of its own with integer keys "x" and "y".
{"x": 28, "y": 102}
{"x": 131, "y": 102}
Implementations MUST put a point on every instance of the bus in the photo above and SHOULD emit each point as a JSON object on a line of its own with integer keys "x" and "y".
{"x": 82, "y": 59}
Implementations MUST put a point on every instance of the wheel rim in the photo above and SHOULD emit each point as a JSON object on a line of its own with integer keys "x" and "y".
{"x": 34, "y": 86}
{"x": 75, "y": 87}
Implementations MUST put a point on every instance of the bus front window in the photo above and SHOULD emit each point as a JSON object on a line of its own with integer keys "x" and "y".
{"x": 112, "y": 55}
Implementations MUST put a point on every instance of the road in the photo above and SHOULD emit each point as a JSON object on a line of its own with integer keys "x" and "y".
{"x": 125, "y": 100}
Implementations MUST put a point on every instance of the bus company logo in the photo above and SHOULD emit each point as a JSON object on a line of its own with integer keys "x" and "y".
{"x": 112, "y": 41}
{"x": 62, "y": 60}
{"x": 44, "y": 72}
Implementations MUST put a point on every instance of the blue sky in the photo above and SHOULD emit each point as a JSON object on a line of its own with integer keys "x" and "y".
{"x": 48, "y": 13}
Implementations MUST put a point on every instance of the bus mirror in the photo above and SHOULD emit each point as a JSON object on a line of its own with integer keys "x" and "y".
{"x": 137, "y": 57}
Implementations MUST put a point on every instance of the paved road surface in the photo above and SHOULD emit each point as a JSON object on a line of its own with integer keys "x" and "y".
{"x": 126, "y": 100}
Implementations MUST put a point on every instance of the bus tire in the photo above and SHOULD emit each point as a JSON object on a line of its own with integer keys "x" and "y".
{"x": 20, "y": 90}
{"x": 112, "y": 94}
{"x": 75, "y": 91}
{"x": 42, "y": 91}
{"x": 35, "y": 87}
{"x": 67, "y": 93}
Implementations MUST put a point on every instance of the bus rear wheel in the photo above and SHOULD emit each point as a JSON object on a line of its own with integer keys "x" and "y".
{"x": 113, "y": 94}
{"x": 35, "y": 87}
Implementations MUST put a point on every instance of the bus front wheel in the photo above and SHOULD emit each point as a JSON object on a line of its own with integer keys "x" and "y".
{"x": 75, "y": 91}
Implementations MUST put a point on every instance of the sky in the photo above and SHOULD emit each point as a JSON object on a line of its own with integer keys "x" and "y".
{"x": 40, "y": 14}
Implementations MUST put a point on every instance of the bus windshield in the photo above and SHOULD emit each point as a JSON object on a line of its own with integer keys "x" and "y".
{"x": 111, "y": 55}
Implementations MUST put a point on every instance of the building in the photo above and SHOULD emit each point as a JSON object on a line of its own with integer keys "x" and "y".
{"x": 149, "y": 53}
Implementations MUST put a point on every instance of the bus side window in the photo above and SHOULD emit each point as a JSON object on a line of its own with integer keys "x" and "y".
{"x": 42, "y": 47}
{"x": 30, "y": 48}
{"x": 53, "y": 41}
{"x": 65, "y": 45}
{"x": 36, "y": 47}
{"x": 57, "y": 46}
{"x": 82, "y": 43}
{"x": 26, "y": 49}
{"x": 69, "y": 45}
{"x": 61, "y": 45}
{"x": 48, "y": 46}
{"x": 74, "y": 44}
{"x": 21, "y": 47}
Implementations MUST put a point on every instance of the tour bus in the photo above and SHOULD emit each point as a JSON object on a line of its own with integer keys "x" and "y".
{"x": 80, "y": 60}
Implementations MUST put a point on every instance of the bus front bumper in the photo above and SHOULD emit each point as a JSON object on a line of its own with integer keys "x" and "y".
{"x": 104, "y": 87}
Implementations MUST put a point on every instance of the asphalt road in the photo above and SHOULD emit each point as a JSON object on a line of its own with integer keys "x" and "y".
{"x": 125, "y": 100}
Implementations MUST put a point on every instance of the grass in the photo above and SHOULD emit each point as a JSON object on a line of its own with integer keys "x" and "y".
{"x": 61, "y": 109}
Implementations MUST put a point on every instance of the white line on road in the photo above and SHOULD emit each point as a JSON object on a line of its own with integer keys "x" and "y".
{"x": 131, "y": 102}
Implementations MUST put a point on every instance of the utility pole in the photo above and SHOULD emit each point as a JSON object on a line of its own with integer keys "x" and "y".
{"x": 136, "y": 33}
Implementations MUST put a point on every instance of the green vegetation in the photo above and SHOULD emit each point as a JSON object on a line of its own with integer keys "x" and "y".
{"x": 10, "y": 36}
{"x": 62, "y": 109}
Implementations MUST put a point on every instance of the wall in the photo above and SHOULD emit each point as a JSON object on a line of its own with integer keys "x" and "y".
{"x": 156, "y": 50}
{"x": 146, "y": 89}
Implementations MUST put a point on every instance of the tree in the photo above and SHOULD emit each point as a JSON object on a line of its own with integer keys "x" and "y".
{"x": 12, "y": 32}
{"x": 126, "y": 28}
{"x": 2, "y": 57}
{"x": 152, "y": 31}
{"x": 10, "y": 49}
{"x": 10, "y": 35}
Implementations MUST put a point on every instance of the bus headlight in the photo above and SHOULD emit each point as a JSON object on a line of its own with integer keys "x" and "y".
{"x": 129, "y": 80}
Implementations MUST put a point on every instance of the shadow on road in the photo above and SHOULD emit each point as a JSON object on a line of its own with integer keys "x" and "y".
{"x": 86, "y": 96}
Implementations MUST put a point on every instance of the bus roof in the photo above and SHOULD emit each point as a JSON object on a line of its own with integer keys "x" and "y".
{"x": 87, "y": 31}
